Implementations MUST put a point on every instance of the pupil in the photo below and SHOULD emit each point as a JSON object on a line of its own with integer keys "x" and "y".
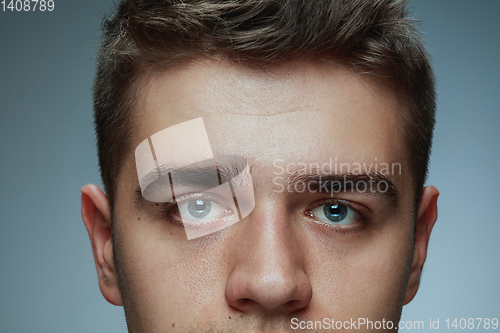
{"x": 335, "y": 212}
{"x": 199, "y": 208}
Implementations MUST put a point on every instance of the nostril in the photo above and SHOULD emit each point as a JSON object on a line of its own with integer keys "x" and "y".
{"x": 296, "y": 305}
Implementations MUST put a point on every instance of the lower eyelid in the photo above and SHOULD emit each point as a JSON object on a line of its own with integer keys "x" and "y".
{"x": 226, "y": 211}
{"x": 354, "y": 229}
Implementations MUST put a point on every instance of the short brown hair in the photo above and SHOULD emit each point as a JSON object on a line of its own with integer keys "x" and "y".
{"x": 375, "y": 37}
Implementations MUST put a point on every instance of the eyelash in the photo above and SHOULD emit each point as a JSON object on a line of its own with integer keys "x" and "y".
{"x": 355, "y": 230}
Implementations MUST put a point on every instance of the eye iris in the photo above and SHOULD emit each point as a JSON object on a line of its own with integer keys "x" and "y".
{"x": 199, "y": 208}
{"x": 335, "y": 212}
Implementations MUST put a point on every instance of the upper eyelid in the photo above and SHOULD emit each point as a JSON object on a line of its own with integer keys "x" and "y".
{"x": 189, "y": 196}
{"x": 331, "y": 201}
{"x": 356, "y": 206}
{"x": 202, "y": 196}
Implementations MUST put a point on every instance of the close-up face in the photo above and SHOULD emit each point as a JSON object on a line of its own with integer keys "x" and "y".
{"x": 302, "y": 252}
{"x": 255, "y": 166}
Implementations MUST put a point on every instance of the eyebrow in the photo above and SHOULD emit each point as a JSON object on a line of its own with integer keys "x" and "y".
{"x": 202, "y": 175}
{"x": 205, "y": 175}
{"x": 375, "y": 183}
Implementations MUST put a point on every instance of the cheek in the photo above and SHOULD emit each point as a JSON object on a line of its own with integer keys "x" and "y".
{"x": 162, "y": 276}
{"x": 382, "y": 280}
{"x": 367, "y": 280}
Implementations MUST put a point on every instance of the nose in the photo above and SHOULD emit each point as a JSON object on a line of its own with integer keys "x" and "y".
{"x": 268, "y": 274}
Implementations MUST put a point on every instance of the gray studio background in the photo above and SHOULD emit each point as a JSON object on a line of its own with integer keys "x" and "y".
{"x": 48, "y": 281}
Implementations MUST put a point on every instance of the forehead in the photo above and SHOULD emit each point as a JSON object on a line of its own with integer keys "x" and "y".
{"x": 314, "y": 110}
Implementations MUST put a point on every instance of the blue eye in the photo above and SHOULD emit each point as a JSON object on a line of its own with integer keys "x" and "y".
{"x": 199, "y": 208}
{"x": 335, "y": 213}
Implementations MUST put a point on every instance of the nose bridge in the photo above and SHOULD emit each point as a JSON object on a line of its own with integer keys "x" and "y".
{"x": 268, "y": 274}
{"x": 270, "y": 252}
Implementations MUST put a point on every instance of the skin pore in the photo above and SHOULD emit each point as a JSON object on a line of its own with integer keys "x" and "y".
{"x": 284, "y": 260}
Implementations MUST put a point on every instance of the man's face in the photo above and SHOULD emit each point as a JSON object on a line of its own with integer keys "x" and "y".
{"x": 301, "y": 253}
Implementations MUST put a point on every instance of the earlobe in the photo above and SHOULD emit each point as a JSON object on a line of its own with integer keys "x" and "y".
{"x": 426, "y": 218}
{"x": 97, "y": 219}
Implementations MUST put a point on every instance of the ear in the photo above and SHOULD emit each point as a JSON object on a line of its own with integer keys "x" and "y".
{"x": 96, "y": 216}
{"x": 426, "y": 217}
